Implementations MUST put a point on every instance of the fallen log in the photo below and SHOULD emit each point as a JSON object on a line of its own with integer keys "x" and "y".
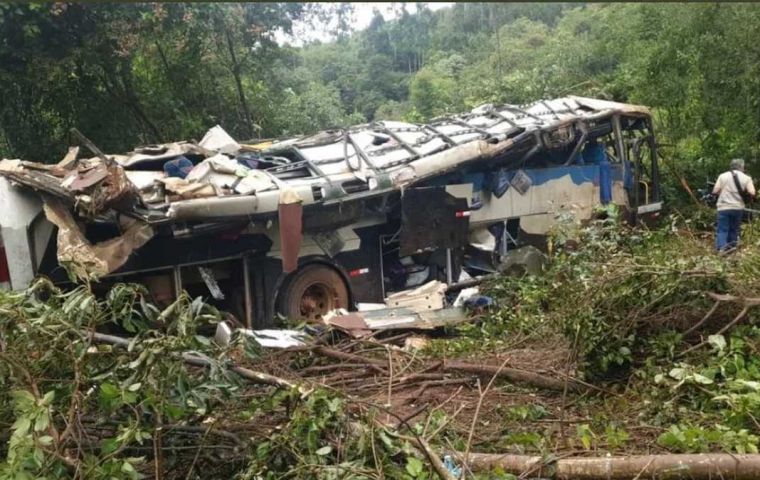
{"x": 672, "y": 466}
{"x": 514, "y": 375}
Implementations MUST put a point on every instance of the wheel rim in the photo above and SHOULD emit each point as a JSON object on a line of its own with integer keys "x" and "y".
{"x": 317, "y": 300}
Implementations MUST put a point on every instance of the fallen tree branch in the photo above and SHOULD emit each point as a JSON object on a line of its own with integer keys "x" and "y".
{"x": 191, "y": 359}
{"x": 481, "y": 396}
{"x": 691, "y": 466}
{"x": 746, "y": 303}
{"x": 435, "y": 383}
{"x": 513, "y": 375}
{"x": 703, "y": 320}
{"x": 350, "y": 357}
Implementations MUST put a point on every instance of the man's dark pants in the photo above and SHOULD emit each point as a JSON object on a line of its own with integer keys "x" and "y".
{"x": 729, "y": 225}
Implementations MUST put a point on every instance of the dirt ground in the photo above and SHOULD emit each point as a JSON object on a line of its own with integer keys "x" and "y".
{"x": 408, "y": 386}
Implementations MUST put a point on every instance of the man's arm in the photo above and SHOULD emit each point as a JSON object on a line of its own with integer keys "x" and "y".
{"x": 751, "y": 188}
{"x": 718, "y": 186}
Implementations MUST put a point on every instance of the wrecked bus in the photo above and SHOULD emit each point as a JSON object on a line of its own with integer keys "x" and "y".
{"x": 302, "y": 226}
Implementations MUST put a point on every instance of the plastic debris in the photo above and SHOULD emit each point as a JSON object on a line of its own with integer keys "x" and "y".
{"x": 448, "y": 462}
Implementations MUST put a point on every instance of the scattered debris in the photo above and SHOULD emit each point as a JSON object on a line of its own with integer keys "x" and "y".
{"x": 429, "y": 296}
{"x": 265, "y": 338}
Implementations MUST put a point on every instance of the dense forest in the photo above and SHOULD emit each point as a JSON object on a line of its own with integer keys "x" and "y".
{"x": 143, "y": 73}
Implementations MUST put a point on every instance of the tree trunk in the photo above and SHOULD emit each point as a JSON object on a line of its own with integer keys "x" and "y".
{"x": 130, "y": 97}
{"x": 239, "y": 84}
{"x": 693, "y": 466}
{"x": 170, "y": 77}
{"x": 124, "y": 94}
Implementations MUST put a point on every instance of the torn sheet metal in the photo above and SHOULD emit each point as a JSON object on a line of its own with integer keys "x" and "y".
{"x": 213, "y": 287}
{"x": 220, "y": 141}
{"x": 156, "y": 154}
{"x": 112, "y": 191}
{"x": 351, "y": 323}
{"x": 366, "y": 307}
{"x": 85, "y": 177}
{"x": 430, "y": 296}
{"x": 144, "y": 180}
{"x": 407, "y": 318}
{"x": 253, "y": 181}
{"x": 69, "y": 159}
{"x": 40, "y": 180}
{"x": 182, "y": 189}
{"x": 265, "y": 338}
{"x": 93, "y": 187}
{"x": 89, "y": 260}
{"x": 359, "y": 324}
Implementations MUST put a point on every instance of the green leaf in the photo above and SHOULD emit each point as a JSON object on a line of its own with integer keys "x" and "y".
{"x": 174, "y": 411}
{"x": 127, "y": 467}
{"x": 717, "y": 341}
{"x": 129, "y": 397}
{"x": 22, "y": 425}
{"x": 23, "y": 398}
{"x": 324, "y": 451}
{"x": 414, "y": 467}
{"x": 333, "y": 404}
{"x": 748, "y": 384}
{"x": 41, "y": 423}
{"x": 109, "y": 391}
{"x": 109, "y": 445}
{"x": 585, "y": 434}
{"x": 47, "y": 399}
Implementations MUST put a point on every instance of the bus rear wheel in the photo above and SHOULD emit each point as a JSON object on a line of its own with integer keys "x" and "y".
{"x": 312, "y": 292}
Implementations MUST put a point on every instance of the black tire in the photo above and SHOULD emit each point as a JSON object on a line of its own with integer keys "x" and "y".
{"x": 312, "y": 292}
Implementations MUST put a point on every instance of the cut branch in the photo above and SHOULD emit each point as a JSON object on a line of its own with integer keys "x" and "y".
{"x": 514, "y": 375}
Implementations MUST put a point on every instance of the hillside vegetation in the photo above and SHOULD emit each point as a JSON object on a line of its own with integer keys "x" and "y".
{"x": 127, "y": 74}
{"x": 604, "y": 353}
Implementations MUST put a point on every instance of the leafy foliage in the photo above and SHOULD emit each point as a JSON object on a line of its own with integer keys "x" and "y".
{"x": 60, "y": 380}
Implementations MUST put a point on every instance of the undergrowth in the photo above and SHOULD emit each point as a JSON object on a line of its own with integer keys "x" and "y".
{"x": 73, "y": 406}
{"x": 618, "y": 304}
{"x": 621, "y": 301}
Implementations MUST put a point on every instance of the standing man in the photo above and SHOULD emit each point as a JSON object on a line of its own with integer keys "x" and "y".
{"x": 734, "y": 188}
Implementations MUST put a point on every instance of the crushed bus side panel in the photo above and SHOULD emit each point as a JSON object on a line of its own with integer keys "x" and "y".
{"x": 308, "y": 225}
